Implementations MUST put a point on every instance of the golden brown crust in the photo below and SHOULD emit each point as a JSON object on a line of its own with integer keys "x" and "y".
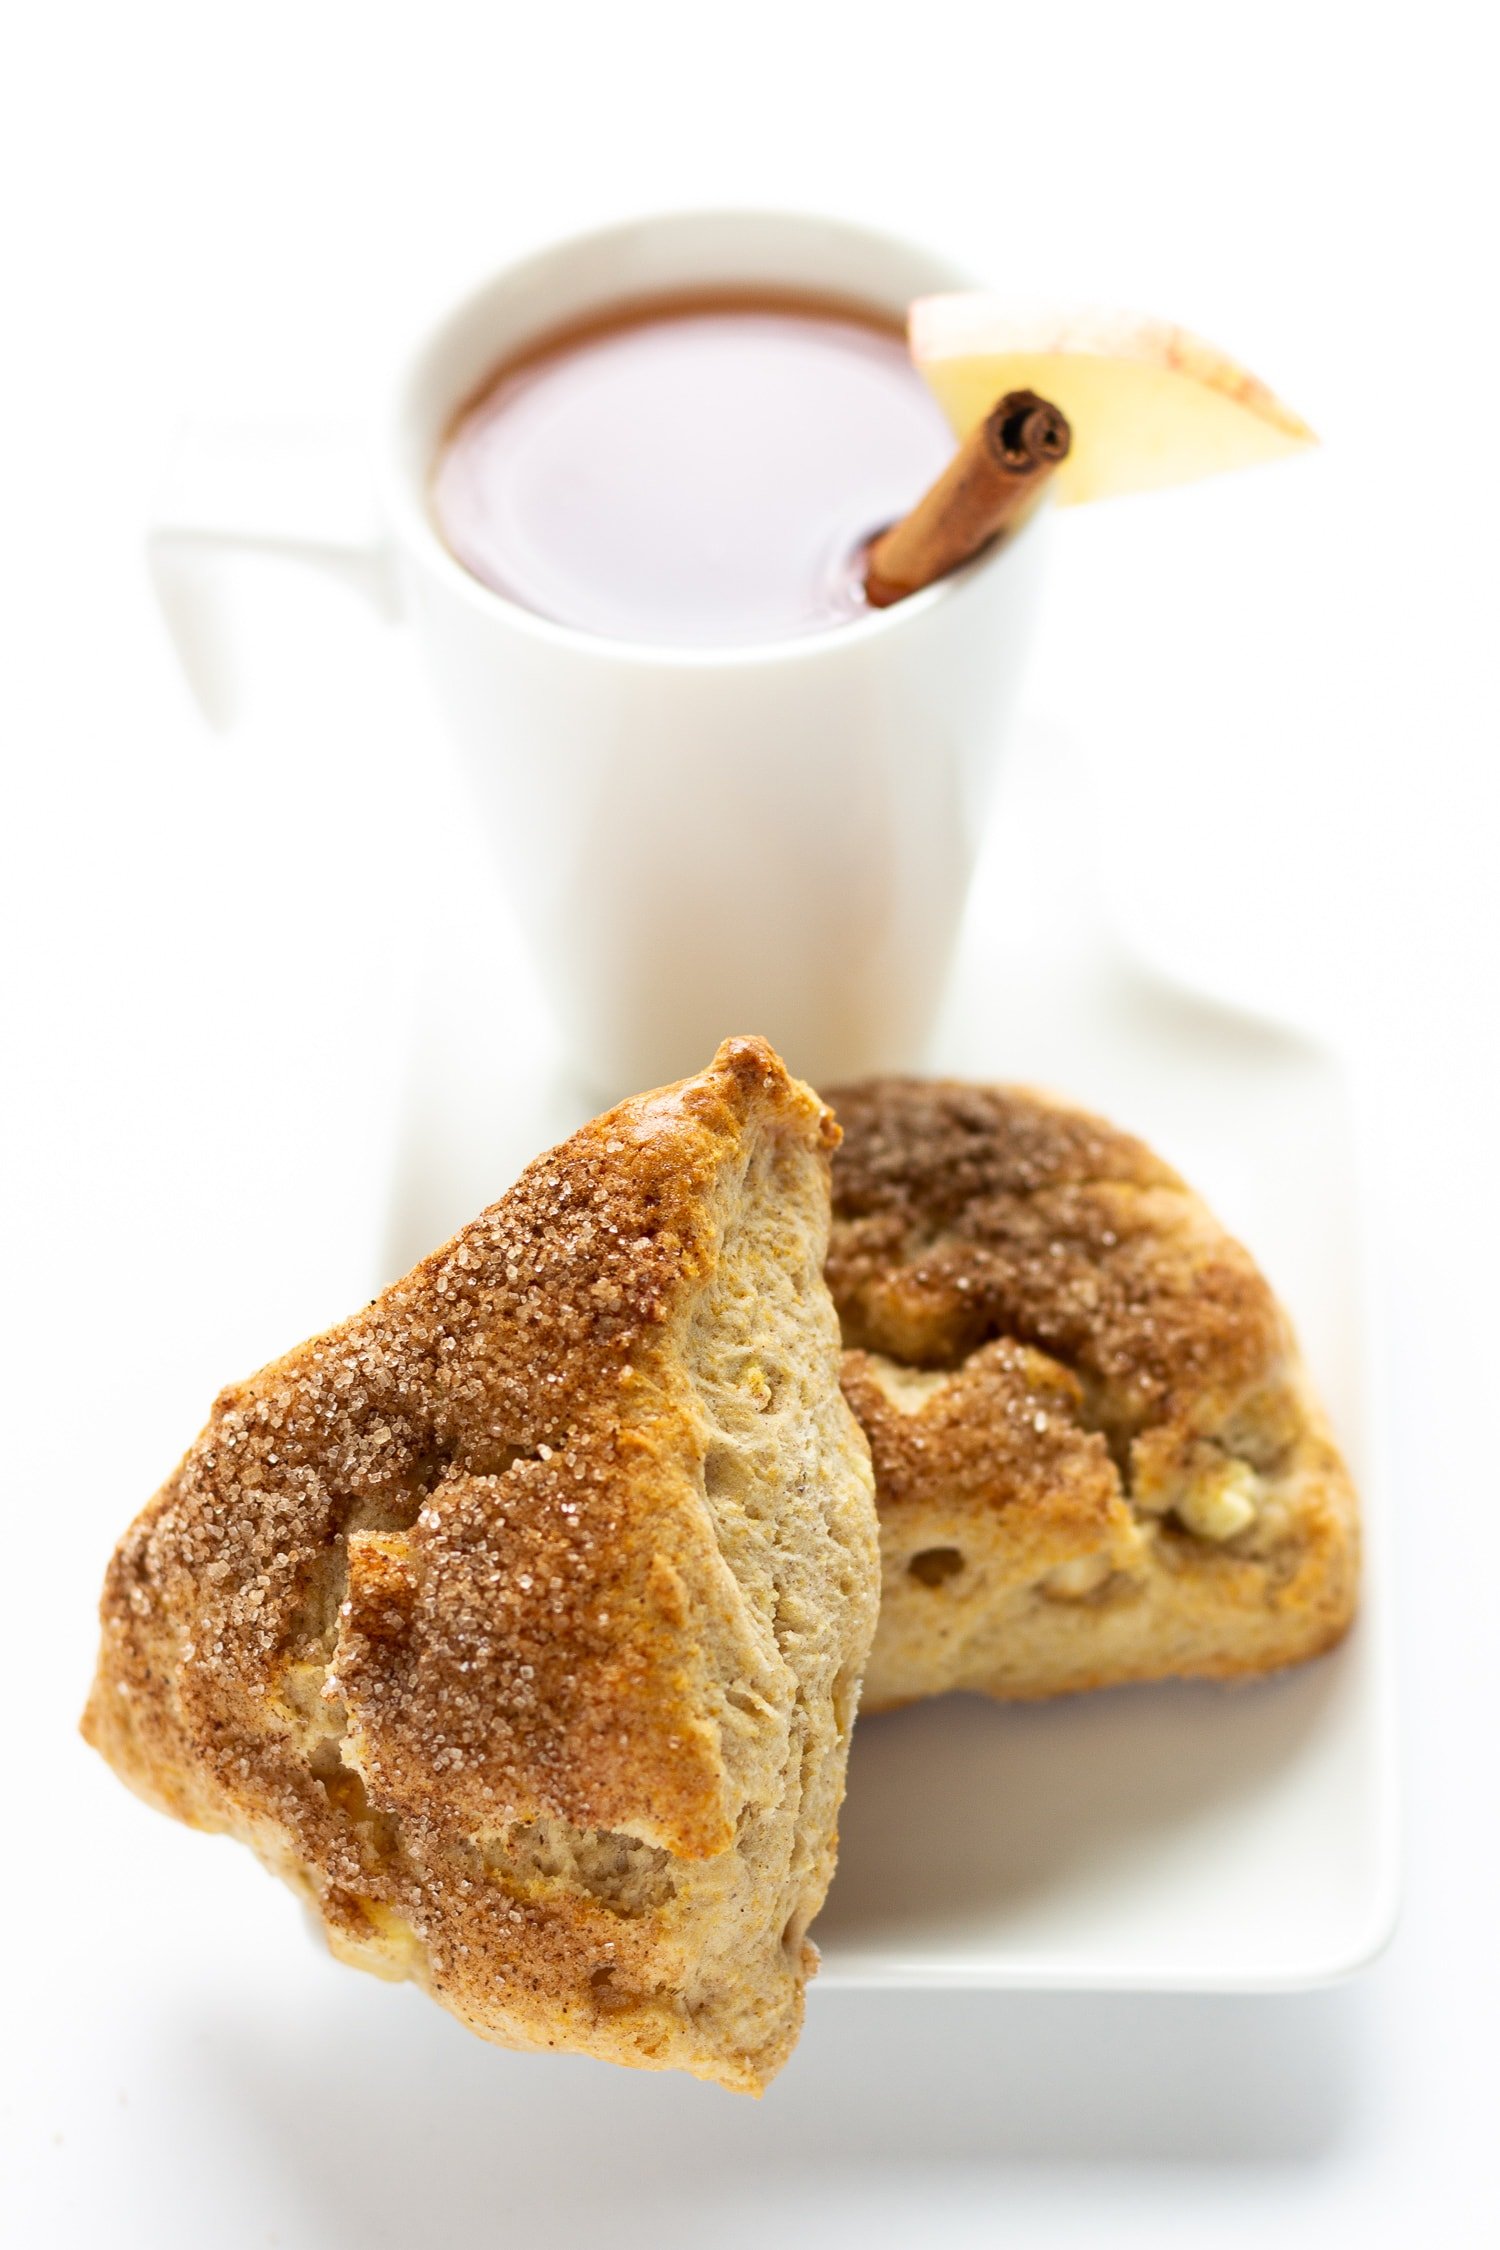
{"x": 1000, "y": 1440}
{"x": 439, "y": 1590}
{"x": 1112, "y": 1467}
{"x": 964, "y": 1212}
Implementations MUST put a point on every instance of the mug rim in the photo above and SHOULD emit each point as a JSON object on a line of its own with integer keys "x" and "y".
{"x": 404, "y": 493}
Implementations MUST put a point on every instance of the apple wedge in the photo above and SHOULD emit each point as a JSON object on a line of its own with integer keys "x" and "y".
{"x": 1149, "y": 404}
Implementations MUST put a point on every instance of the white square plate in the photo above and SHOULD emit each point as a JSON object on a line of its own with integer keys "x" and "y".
{"x": 1182, "y": 1837}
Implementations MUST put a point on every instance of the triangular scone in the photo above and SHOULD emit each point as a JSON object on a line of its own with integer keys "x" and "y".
{"x": 1097, "y": 1455}
{"x": 519, "y": 1622}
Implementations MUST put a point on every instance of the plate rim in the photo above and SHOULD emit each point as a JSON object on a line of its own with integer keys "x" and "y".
{"x": 1319, "y": 1967}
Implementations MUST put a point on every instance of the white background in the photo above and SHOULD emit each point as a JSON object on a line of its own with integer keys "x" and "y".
{"x": 1286, "y": 690}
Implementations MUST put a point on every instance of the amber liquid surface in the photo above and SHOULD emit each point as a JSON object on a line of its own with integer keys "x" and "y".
{"x": 692, "y": 472}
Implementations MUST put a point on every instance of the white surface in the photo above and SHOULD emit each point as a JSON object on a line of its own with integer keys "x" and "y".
{"x": 1287, "y": 690}
{"x": 1174, "y": 1837}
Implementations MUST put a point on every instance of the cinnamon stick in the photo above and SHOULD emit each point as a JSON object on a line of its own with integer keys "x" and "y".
{"x": 991, "y": 485}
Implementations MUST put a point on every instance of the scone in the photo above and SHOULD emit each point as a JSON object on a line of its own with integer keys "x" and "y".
{"x": 519, "y": 1622}
{"x": 1097, "y": 1455}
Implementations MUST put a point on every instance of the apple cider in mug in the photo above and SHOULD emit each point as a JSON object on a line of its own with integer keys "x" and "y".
{"x": 703, "y": 470}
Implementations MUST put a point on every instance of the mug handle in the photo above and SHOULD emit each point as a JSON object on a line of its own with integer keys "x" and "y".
{"x": 300, "y": 489}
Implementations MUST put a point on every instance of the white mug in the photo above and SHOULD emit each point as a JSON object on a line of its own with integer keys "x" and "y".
{"x": 774, "y": 838}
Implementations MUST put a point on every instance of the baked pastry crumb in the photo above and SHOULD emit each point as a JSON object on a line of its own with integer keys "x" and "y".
{"x": 519, "y": 1622}
{"x": 1098, "y": 1456}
